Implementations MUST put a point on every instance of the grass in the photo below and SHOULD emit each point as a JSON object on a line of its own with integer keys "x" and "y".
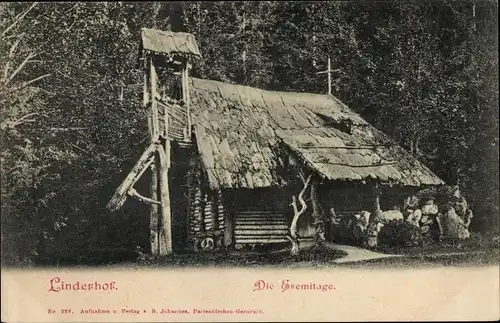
{"x": 473, "y": 259}
{"x": 477, "y": 242}
{"x": 480, "y": 249}
{"x": 280, "y": 258}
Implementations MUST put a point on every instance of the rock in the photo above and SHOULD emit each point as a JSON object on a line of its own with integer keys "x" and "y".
{"x": 407, "y": 213}
{"x": 468, "y": 218}
{"x": 411, "y": 202}
{"x": 451, "y": 225}
{"x": 391, "y": 215}
{"x": 359, "y": 224}
{"x": 363, "y": 218}
{"x": 460, "y": 206}
{"x": 430, "y": 208}
{"x": 415, "y": 217}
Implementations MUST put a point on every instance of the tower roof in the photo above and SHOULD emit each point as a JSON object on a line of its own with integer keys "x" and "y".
{"x": 170, "y": 43}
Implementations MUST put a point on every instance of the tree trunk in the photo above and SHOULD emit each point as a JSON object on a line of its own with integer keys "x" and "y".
{"x": 295, "y": 247}
{"x": 294, "y": 237}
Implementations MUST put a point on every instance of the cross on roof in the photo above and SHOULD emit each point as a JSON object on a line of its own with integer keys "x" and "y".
{"x": 329, "y": 71}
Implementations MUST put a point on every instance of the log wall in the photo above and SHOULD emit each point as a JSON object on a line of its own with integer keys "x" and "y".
{"x": 206, "y": 213}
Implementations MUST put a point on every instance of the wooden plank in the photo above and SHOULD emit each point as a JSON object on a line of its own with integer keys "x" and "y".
{"x": 255, "y": 218}
{"x": 139, "y": 168}
{"x": 259, "y": 232}
{"x": 260, "y": 216}
{"x": 260, "y": 222}
{"x": 257, "y": 211}
{"x": 262, "y": 227}
{"x": 260, "y": 241}
{"x": 270, "y": 236}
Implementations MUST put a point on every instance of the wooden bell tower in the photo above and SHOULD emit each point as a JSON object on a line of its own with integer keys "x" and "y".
{"x": 164, "y": 57}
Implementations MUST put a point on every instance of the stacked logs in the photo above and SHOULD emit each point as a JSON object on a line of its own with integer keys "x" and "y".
{"x": 220, "y": 210}
{"x": 208, "y": 220}
{"x": 196, "y": 217}
{"x": 206, "y": 213}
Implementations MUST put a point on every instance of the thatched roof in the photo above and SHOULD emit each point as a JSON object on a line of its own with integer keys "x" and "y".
{"x": 167, "y": 42}
{"x": 241, "y": 130}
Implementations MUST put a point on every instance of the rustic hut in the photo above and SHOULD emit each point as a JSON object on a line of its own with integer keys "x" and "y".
{"x": 248, "y": 142}
{"x": 230, "y": 164}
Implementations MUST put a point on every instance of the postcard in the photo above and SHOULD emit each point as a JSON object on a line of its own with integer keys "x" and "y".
{"x": 249, "y": 161}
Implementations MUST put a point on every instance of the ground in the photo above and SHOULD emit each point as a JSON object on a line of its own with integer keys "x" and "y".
{"x": 480, "y": 249}
{"x": 335, "y": 255}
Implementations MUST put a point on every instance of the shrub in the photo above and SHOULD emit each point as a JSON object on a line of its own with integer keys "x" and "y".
{"x": 399, "y": 233}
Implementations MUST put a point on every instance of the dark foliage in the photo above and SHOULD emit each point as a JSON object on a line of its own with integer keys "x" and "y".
{"x": 400, "y": 233}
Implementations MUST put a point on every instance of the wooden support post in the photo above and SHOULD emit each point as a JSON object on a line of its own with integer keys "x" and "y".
{"x": 154, "y": 106}
{"x": 165, "y": 223}
{"x": 317, "y": 214}
{"x": 372, "y": 230}
{"x": 229, "y": 228}
{"x": 185, "y": 99}
{"x": 153, "y": 211}
{"x": 329, "y": 77}
{"x": 188, "y": 102}
{"x": 146, "y": 101}
{"x": 153, "y": 190}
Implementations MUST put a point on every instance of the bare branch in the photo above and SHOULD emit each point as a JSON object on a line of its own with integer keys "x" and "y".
{"x": 67, "y": 128}
{"x": 71, "y": 26}
{"x": 301, "y": 195}
{"x": 79, "y": 148}
{"x": 34, "y": 80}
{"x": 294, "y": 205}
{"x": 20, "y": 67}
{"x": 18, "y": 19}
{"x": 16, "y": 43}
{"x": 303, "y": 207}
{"x": 23, "y": 85}
{"x": 11, "y": 54}
{"x": 11, "y": 124}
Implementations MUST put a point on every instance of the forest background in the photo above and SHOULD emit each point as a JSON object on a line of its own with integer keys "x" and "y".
{"x": 72, "y": 126}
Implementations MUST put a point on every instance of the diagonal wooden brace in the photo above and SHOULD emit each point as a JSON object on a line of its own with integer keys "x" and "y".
{"x": 133, "y": 193}
{"x": 140, "y": 167}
